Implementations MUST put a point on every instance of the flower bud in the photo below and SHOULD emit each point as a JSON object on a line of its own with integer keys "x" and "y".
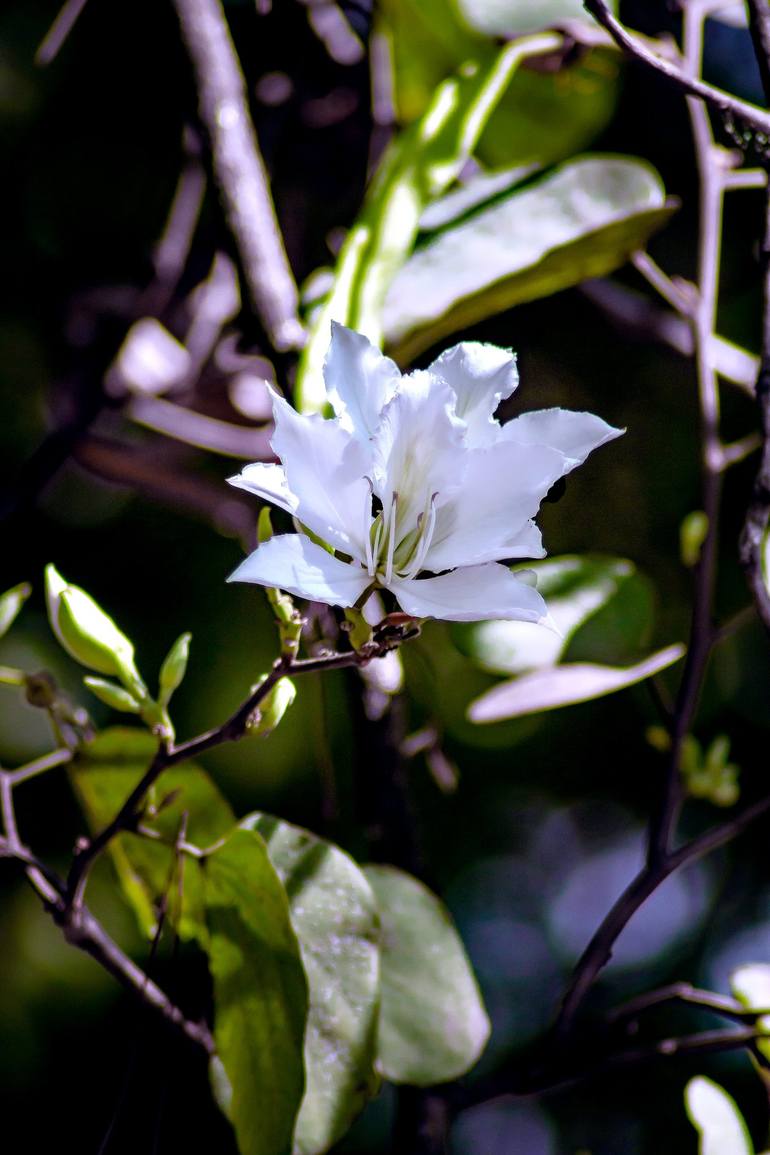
{"x": 274, "y": 706}
{"x": 10, "y": 604}
{"x": 174, "y": 668}
{"x": 88, "y": 634}
{"x": 114, "y": 696}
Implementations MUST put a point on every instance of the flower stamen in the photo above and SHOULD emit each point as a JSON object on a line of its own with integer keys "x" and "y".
{"x": 391, "y": 540}
{"x": 426, "y": 527}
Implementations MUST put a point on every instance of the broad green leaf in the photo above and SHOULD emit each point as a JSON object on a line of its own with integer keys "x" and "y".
{"x": 601, "y": 606}
{"x": 419, "y": 166}
{"x": 260, "y": 993}
{"x": 433, "y": 1026}
{"x": 751, "y": 986}
{"x": 335, "y": 919}
{"x": 552, "y": 687}
{"x": 717, "y": 1119}
{"x": 544, "y": 116}
{"x": 103, "y": 775}
{"x": 591, "y": 214}
{"x": 10, "y": 604}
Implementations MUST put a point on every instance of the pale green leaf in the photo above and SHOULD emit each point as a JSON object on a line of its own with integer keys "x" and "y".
{"x": 591, "y": 214}
{"x": 260, "y": 993}
{"x": 553, "y": 687}
{"x": 717, "y": 1119}
{"x": 433, "y": 1026}
{"x": 334, "y": 915}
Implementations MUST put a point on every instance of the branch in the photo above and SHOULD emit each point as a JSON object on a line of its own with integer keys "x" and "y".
{"x": 729, "y": 106}
{"x": 751, "y": 550}
{"x": 239, "y": 169}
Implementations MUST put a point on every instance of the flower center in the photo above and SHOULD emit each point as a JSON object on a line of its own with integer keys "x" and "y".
{"x": 389, "y": 549}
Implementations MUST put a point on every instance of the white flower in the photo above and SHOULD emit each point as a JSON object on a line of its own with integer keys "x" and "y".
{"x": 415, "y": 485}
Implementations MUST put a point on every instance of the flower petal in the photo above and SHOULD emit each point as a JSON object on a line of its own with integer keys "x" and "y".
{"x": 268, "y": 482}
{"x": 489, "y": 518}
{"x": 573, "y": 433}
{"x": 359, "y": 380}
{"x": 294, "y": 563}
{"x": 471, "y": 594}
{"x": 326, "y": 472}
{"x": 418, "y": 448}
{"x": 481, "y": 376}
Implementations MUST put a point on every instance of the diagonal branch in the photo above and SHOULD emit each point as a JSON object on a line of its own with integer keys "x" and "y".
{"x": 239, "y": 169}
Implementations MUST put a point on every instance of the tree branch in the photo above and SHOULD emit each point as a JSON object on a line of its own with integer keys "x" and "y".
{"x": 723, "y": 102}
{"x": 239, "y": 169}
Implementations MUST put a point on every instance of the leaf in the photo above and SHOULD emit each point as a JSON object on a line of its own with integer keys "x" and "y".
{"x": 10, "y": 604}
{"x": 607, "y": 592}
{"x": 751, "y": 986}
{"x": 103, "y": 774}
{"x": 419, "y": 166}
{"x": 335, "y": 919}
{"x": 260, "y": 993}
{"x": 545, "y": 115}
{"x": 566, "y": 685}
{"x": 433, "y": 1026}
{"x": 717, "y": 1119}
{"x": 591, "y": 214}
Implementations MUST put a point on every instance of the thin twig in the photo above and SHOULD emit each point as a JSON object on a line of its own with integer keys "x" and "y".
{"x": 729, "y": 106}
{"x": 759, "y": 26}
{"x": 684, "y": 993}
{"x": 40, "y": 766}
{"x": 239, "y": 169}
{"x": 54, "y": 38}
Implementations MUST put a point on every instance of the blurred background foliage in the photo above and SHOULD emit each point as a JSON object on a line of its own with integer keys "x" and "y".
{"x": 529, "y": 827}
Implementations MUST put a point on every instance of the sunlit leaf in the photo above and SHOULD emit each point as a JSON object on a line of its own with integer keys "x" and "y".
{"x": 433, "y": 1026}
{"x": 334, "y": 915}
{"x": 717, "y": 1119}
{"x": 103, "y": 775}
{"x": 591, "y": 214}
{"x": 607, "y": 592}
{"x": 10, "y": 604}
{"x": 566, "y": 685}
{"x": 260, "y": 993}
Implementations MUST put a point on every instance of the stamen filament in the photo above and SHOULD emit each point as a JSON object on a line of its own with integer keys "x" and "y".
{"x": 391, "y": 539}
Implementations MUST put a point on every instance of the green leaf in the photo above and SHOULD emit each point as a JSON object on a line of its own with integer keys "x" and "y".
{"x": 433, "y": 1026}
{"x": 591, "y": 214}
{"x": 419, "y": 166}
{"x": 545, "y": 115}
{"x": 10, "y": 604}
{"x": 566, "y": 685}
{"x": 751, "y": 986}
{"x": 260, "y": 993}
{"x": 103, "y": 775}
{"x": 601, "y": 606}
{"x": 334, "y": 915}
{"x": 717, "y": 1119}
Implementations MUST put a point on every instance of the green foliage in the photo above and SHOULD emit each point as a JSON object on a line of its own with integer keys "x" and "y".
{"x": 260, "y": 993}
{"x": 103, "y": 774}
{"x": 10, "y": 605}
{"x": 433, "y": 1026}
{"x": 335, "y": 919}
{"x": 418, "y": 166}
{"x": 544, "y": 116}
{"x": 717, "y": 1119}
{"x": 591, "y": 213}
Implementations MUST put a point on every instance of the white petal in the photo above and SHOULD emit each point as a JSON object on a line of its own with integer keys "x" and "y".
{"x": 359, "y": 380}
{"x": 573, "y": 433}
{"x": 418, "y": 448}
{"x": 268, "y": 482}
{"x": 489, "y": 518}
{"x": 294, "y": 563}
{"x": 473, "y": 593}
{"x": 326, "y": 471}
{"x": 481, "y": 376}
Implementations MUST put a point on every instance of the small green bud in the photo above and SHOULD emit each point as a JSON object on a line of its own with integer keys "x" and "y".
{"x": 717, "y": 754}
{"x": 692, "y": 534}
{"x": 274, "y": 706}
{"x": 10, "y": 604}
{"x": 113, "y": 696}
{"x": 88, "y": 634}
{"x": 359, "y": 630}
{"x": 659, "y": 738}
{"x": 174, "y": 668}
{"x": 264, "y": 525}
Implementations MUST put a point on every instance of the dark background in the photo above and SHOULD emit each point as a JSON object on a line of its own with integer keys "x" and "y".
{"x": 546, "y": 824}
